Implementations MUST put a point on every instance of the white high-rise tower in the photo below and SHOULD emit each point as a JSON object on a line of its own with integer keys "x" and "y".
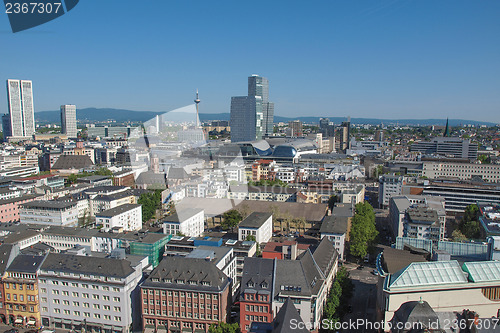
{"x": 21, "y": 109}
{"x": 68, "y": 120}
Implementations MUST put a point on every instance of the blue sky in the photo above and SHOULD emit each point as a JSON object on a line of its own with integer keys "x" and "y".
{"x": 377, "y": 58}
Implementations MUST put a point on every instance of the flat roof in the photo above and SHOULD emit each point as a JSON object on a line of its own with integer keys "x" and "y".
{"x": 255, "y": 220}
{"x": 49, "y": 204}
{"x": 117, "y": 210}
{"x": 429, "y": 273}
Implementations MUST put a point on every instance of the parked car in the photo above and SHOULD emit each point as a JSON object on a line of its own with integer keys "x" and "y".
{"x": 375, "y": 272}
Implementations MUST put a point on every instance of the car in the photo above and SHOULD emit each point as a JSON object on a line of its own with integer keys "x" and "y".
{"x": 375, "y": 272}
{"x": 360, "y": 267}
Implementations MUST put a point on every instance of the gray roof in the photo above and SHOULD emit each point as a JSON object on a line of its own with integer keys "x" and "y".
{"x": 151, "y": 178}
{"x": 70, "y": 263}
{"x": 309, "y": 211}
{"x": 22, "y": 198}
{"x": 254, "y": 220}
{"x": 187, "y": 270}
{"x": 422, "y": 215}
{"x": 117, "y": 210}
{"x": 93, "y": 178}
{"x": 182, "y": 215}
{"x": 257, "y": 273}
{"x": 334, "y": 225}
{"x": 7, "y": 253}
{"x": 416, "y": 312}
{"x": 343, "y": 209}
{"x": 177, "y": 173}
{"x": 282, "y": 323}
{"x": 325, "y": 255}
{"x": 72, "y": 162}
{"x": 52, "y": 204}
{"x": 113, "y": 196}
{"x": 26, "y": 263}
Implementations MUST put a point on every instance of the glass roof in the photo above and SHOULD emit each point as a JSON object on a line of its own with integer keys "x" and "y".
{"x": 429, "y": 273}
{"x": 482, "y": 271}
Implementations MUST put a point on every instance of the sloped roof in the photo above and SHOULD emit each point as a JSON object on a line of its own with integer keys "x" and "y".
{"x": 77, "y": 162}
{"x": 325, "y": 255}
{"x": 416, "y": 312}
{"x": 429, "y": 273}
{"x": 483, "y": 271}
{"x": 283, "y": 320}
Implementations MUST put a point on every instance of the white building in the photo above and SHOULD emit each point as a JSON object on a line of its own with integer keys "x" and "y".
{"x": 127, "y": 216}
{"x": 92, "y": 293}
{"x": 57, "y": 213}
{"x": 389, "y": 185}
{"x": 68, "y": 120}
{"x": 21, "y": 118}
{"x": 464, "y": 171}
{"x": 189, "y": 222}
{"x": 259, "y": 225}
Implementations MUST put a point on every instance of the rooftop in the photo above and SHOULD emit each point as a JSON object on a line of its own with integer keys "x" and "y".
{"x": 482, "y": 271}
{"x": 45, "y": 204}
{"x": 428, "y": 273}
{"x": 254, "y": 220}
{"x": 117, "y": 210}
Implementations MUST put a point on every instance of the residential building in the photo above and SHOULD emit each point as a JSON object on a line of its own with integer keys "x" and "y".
{"x": 21, "y": 120}
{"x": 295, "y": 129}
{"x": 337, "y": 227}
{"x": 20, "y": 283}
{"x": 188, "y": 222}
{"x": 424, "y": 223}
{"x": 9, "y": 208}
{"x": 289, "y": 250}
{"x": 263, "y": 193}
{"x": 68, "y": 120}
{"x": 448, "y": 147}
{"x": 400, "y": 221}
{"x": 185, "y": 295}
{"x": 58, "y": 213}
{"x": 91, "y": 293}
{"x": 258, "y": 225}
{"x": 19, "y": 171}
{"x": 7, "y": 254}
{"x": 127, "y": 217}
{"x": 389, "y": 185}
{"x": 263, "y": 170}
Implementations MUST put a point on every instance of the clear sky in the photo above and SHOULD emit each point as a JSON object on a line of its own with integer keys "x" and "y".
{"x": 376, "y": 58}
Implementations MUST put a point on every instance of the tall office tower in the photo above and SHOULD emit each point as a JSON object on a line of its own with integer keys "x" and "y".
{"x": 21, "y": 110}
{"x": 295, "y": 128}
{"x": 345, "y": 136}
{"x": 68, "y": 120}
{"x": 252, "y": 116}
{"x": 326, "y": 128}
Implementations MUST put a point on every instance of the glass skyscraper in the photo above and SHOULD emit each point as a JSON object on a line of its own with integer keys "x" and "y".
{"x": 252, "y": 116}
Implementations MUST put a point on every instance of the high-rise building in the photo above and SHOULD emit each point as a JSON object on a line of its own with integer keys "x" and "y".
{"x": 21, "y": 110}
{"x": 252, "y": 116}
{"x": 326, "y": 127}
{"x": 68, "y": 120}
{"x": 345, "y": 136}
{"x": 295, "y": 128}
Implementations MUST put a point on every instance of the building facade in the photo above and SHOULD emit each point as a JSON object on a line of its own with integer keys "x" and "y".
{"x": 68, "y": 120}
{"x": 127, "y": 217}
{"x": 21, "y": 109}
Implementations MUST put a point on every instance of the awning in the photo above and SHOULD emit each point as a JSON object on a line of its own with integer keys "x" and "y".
{"x": 31, "y": 322}
{"x": 57, "y": 320}
{"x": 19, "y": 321}
{"x": 107, "y": 327}
{"x": 66, "y": 321}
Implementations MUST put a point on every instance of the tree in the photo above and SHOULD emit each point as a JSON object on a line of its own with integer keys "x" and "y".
{"x": 222, "y": 327}
{"x": 469, "y": 226}
{"x": 72, "y": 178}
{"x": 150, "y": 201}
{"x": 338, "y": 297}
{"x": 231, "y": 219}
{"x": 363, "y": 230}
{"x": 332, "y": 200}
{"x": 458, "y": 236}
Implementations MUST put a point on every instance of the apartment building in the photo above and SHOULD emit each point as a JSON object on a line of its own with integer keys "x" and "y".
{"x": 58, "y": 213}
{"x": 258, "y": 225}
{"x": 127, "y": 217}
{"x": 189, "y": 222}
{"x": 462, "y": 170}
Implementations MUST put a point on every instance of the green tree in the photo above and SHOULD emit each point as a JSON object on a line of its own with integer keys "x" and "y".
{"x": 363, "y": 230}
{"x": 151, "y": 202}
{"x": 469, "y": 226}
{"x": 72, "y": 178}
{"x": 458, "y": 236}
{"x": 332, "y": 201}
{"x": 222, "y": 327}
{"x": 338, "y": 297}
{"x": 231, "y": 219}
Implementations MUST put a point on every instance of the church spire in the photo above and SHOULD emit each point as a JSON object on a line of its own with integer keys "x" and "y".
{"x": 447, "y": 129}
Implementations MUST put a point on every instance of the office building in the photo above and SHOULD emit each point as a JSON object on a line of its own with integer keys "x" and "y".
{"x": 21, "y": 121}
{"x": 295, "y": 129}
{"x": 461, "y": 170}
{"x": 389, "y": 185}
{"x": 326, "y": 128}
{"x": 68, "y": 120}
{"x": 185, "y": 295}
{"x": 82, "y": 291}
{"x": 252, "y": 116}
{"x": 258, "y": 225}
{"x": 345, "y": 136}
{"x": 127, "y": 217}
{"x": 189, "y": 222}
{"x": 446, "y": 146}
{"x": 56, "y": 213}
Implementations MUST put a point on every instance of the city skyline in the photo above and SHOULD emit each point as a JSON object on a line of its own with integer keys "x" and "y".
{"x": 398, "y": 59}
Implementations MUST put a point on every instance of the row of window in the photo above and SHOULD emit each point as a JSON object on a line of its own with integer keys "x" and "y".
{"x": 183, "y": 304}
{"x": 85, "y": 314}
{"x": 256, "y": 308}
{"x": 178, "y": 314}
{"x": 29, "y": 298}
{"x": 256, "y": 318}
{"x": 84, "y": 295}
{"x": 181, "y": 294}
{"x": 83, "y": 285}
{"x": 9, "y": 306}
{"x": 20, "y": 286}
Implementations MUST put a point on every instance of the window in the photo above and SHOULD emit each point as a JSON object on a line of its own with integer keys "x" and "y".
{"x": 75, "y": 294}
{"x": 55, "y": 292}
{"x": 65, "y": 302}
{"x": 96, "y": 306}
{"x": 66, "y": 312}
{"x": 57, "y": 310}
{"x": 107, "y": 317}
{"x": 76, "y": 313}
{"x": 86, "y": 305}
{"x": 85, "y": 295}
{"x": 106, "y": 307}
{"x": 86, "y": 314}
{"x": 116, "y": 289}
{"x": 76, "y": 303}
{"x": 97, "y": 316}
{"x": 117, "y": 309}
{"x": 106, "y": 298}
{"x": 117, "y": 318}
{"x": 116, "y": 299}
{"x": 56, "y": 301}
{"x": 95, "y": 296}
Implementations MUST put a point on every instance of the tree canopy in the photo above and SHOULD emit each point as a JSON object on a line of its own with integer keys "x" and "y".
{"x": 363, "y": 230}
{"x": 222, "y": 327}
{"x": 469, "y": 226}
{"x": 150, "y": 201}
{"x": 231, "y": 219}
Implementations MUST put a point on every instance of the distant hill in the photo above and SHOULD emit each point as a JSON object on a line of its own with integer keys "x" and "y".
{"x": 121, "y": 115}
